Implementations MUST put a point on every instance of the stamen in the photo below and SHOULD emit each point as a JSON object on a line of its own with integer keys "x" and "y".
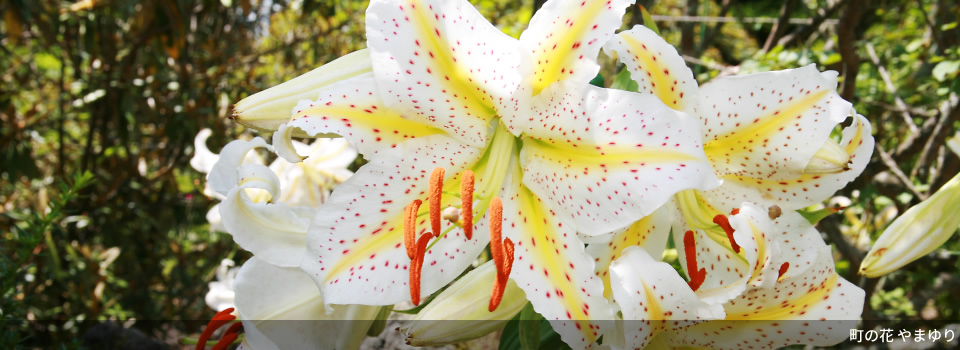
{"x": 783, "y": 269}
{"x": 434, "y": 192}
{"x": 725, "y": 224}
{"x": 218, "y": 320}
{"x": 774, "y": 212}
{"x": 410, "y": 227}
{"x": 496, "y": 226}
{"x": 416, "y": 265}
{"x": 734, "y": 211}
{"x": 501, "y": 253}
{"x": 697, "y": 276}
{"x": 228, "y": 336}
{"x": 466, "y": 202}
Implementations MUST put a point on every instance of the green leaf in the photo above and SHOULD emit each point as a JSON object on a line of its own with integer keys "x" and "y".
{"x": 549, "y": 339}
{"x": 529, "y": 332}
{"x": 648, "y": 21}
{"x": 814, "y": 216}
{"x": 945, "y": 68}
{"x": 380, "y": 322}
{"x": 597, "y": 80}
{"x": 623, "y": 81}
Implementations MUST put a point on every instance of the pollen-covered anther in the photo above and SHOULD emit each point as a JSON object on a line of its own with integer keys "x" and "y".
{"x": 466, "y": 202}
{"x": 724, "y": 223}
{"x": 783, "y": 270}
{"x": 219, "y": 320}
{"x": 410, "y": 227}
{"x": 697, "y": 276}
{"x": 416, "y": 266}
{"x": 500, "y": 252}
{"x": 434, "y": 192}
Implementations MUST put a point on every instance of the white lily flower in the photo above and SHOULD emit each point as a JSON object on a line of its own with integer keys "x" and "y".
{"x": 281, "y": 309}
{"x": 449, "y": 90}
{"x": 766, "y": 135}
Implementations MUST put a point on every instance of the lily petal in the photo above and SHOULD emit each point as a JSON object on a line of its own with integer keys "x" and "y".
{"x": 650, "y": 233}
{"x": 442, "y": 64}
{"x": 552, "y": 267}
{"x": 565, "y": 37}
{"x": 203, "y": 160}
{"x": 656, "y": 67}
{"x": 354, "y": 110}
{"x": 608, "y": 157}
{"x": 283, "y": 144}
{"x": 754, "y": 233}
{"x": 282, "y": 309}
{"x": 223, "y": 176}
{"x": 355, "y": 242}
{"x": 817, "y": 307}
{"x": 920, "y": 230}
{"x": 274, "y": 232}
{"x": 650, "y": 293}
{"x": 780, "y": 118}
{"x": 267, "y": 109}
{"x": 726, "y": 272}
{"x": 797, "y": 190}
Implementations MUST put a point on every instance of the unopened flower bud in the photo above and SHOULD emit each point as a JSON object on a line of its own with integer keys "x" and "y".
{"x": 268, "y": 109}
{"x": 460, "y": 312}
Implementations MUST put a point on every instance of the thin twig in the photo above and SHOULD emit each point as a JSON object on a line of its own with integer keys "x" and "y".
{"x": 892, "y": 89}
{"x": 890, "y": 163}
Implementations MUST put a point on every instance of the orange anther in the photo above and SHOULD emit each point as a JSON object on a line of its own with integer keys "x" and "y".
{"x": 735, "y": 211}
{"x": 218, "y": 320}
{"x": 500, "y": 252}
{"x": 783, "y": 270}
{"x": 466, "y": 203}
{"x": 721, "y": 220}
{"x": 416, "y": 265}
{"x": 228, "y": 337}
{"x": 697, "y": 276}
{"x": 410, "y": 227}
{"x": 434, "y": 191}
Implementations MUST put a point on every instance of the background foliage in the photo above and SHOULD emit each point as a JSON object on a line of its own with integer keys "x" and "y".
{"x": 118, "y": 89}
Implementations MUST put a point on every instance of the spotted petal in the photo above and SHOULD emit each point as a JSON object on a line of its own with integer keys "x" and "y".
{"x": 797, "y": 190}
{"x": 656, "y": 67}
{"x": 355, "y": 242}
{"x": 650, "y": 233}
{"x": 754, "y": 233}
{"x": 608, "y": 157}
{"x": 282, "y": 309}
{"x": 769, "y": 125}
{"x": 354, "y": 110}
{"x": 552, "y": 267}
{"x": 442, "y": 63}
{"x": 726, "y": 272}
{"x": 565, "y": 36}
{"x": 653, "y": 298}
{"x": 817, "y": 307}
{"x": 275, "y": 232}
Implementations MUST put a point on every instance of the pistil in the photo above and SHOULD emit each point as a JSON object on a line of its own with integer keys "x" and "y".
{"x": 697, "y": 276}
{"x": 725, "y": 224}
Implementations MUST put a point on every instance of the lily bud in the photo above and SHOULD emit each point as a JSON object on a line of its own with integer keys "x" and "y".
{"x": 829, "y": 159}
{"x": 920, "y": 230}
{"x": 268, "y": 109}
{"x": 460, "y": 312}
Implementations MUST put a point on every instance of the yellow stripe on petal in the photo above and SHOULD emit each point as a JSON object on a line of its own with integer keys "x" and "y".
{"x": 761, "y": 129}
{"x": 656, "y": 67}
{"x": 651, "y": 233}
{"x": 354, "y": 110}
{"x": 552, "y": 267}
{"x": 565, "y": 37}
